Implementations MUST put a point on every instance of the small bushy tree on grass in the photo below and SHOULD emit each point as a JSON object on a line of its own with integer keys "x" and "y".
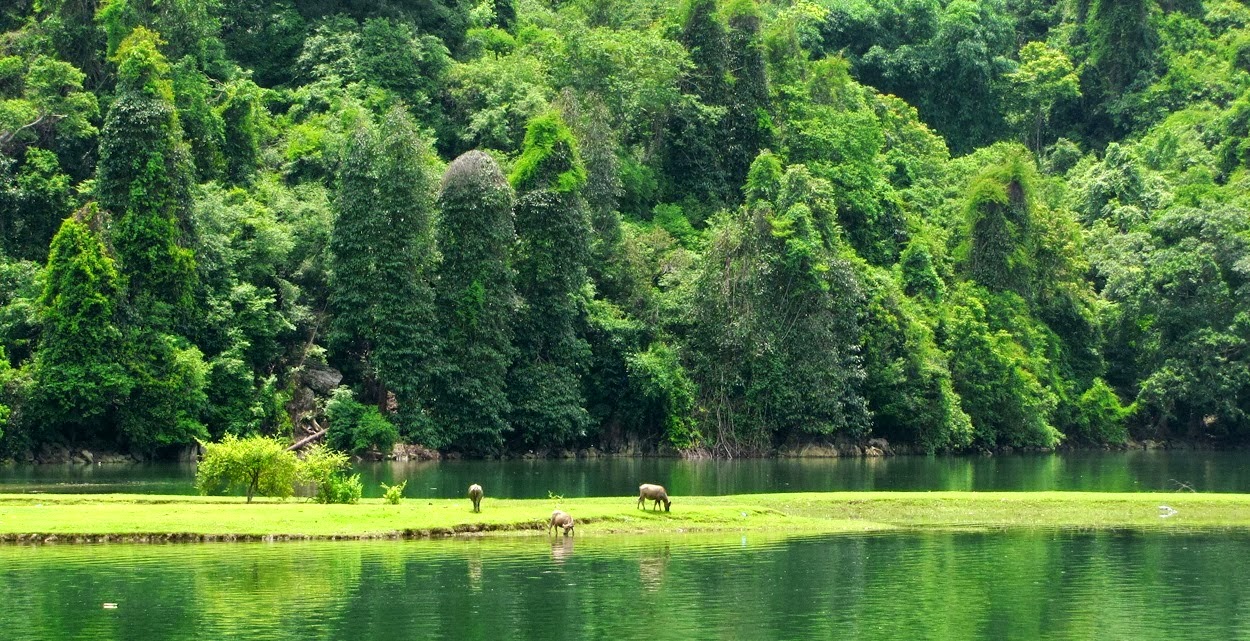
{"x": 263, "y": 465}
{"x": 259, "y": 464}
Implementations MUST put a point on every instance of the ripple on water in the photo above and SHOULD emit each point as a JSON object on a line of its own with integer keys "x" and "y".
{"x": 1013, "y": 585}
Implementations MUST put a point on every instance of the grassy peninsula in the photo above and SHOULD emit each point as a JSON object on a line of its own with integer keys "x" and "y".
{"x": 124, "y": 517}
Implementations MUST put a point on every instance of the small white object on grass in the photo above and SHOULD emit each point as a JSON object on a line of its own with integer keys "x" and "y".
{"x": 1167, "y": 511}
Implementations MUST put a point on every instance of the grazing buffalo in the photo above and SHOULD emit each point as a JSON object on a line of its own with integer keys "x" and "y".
{"x": 475, "y": 495}
{"x": 649, "y": 492}
{"x": 560, "y": 519}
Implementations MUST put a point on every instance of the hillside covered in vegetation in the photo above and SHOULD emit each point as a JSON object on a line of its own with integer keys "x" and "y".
{"x": 719, "y": 226}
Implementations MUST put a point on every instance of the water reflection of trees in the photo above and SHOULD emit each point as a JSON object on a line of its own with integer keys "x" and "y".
{"x": 939, "y": 586}
{"x": 1077, "y": 471}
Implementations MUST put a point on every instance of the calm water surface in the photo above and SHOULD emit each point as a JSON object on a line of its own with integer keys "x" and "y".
{"x": 1135, "y": 471}
{"x": 1032, "y": 585}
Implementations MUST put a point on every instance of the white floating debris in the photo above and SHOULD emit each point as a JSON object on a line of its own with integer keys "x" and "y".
{"x": 110, "y": 606}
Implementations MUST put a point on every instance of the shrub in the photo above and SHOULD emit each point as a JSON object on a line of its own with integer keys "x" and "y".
{"x": 326, "y": 468}
{"x": 393, "y": 493}
{"x": 258, "y": 464}
{"x": 356, "y": 427}
{"x": 340, "y": 488}
{"x": 1102, "y": 417}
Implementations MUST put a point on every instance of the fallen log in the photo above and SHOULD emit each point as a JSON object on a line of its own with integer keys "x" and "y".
{"x": 306, "y": 440}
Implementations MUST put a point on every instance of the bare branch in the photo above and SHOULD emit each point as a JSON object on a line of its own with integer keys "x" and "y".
{"x": 7, "y": 136}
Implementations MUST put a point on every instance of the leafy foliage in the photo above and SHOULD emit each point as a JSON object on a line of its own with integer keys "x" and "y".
{"x": 256, "y": 465}
{"x": 1044, "y": 79}
{"x": 723, "y": 226}
{"x": 393, "y": 494}
{"x": 475, "y": 301}
{"x": 355, "y": 427}
{"x": 326, "y": 469}
{"x": 773, "y": 347}
{"x": 664, "y": 384}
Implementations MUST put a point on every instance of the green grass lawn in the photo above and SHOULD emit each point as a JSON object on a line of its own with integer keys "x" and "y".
{"x": 139, "y": 517}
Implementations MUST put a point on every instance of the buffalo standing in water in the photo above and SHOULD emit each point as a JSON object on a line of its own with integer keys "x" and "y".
{"x": 560, "y": 519}
{"x": 649, "y": 492}
{"x": 475, "y": 495}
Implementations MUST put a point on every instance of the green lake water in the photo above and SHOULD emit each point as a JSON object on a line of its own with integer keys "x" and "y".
{"x": 949, "y": 586}
{"x": 1136, "y": 471}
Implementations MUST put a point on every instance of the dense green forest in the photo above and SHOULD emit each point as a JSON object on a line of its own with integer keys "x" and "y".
{"x": 718, "y": 226}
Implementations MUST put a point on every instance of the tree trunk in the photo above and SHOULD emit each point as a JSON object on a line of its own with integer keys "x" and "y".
{"x": 308, "y": 439}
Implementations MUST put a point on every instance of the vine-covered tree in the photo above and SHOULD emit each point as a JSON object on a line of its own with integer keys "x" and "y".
{"x": 241, "y": 116}
{"x": 908, "y": 383}
{"x": 749, "y": 125}
{"x": 6, "y": 374}
{"x": 1001, "y": 237}
{"x": 145, "y": 184}
{"x": 776, "y": 336}
{"x": 996, "y": 377}
{"x": 1122, "y": 42}
{"x": 382, "y": 259}
{"x": 145, "y": 178}
{"x": 695, "y": 138}
{"x": 476, "y": 302}
{"x": 79, "y": 378}
{"x": 553, "y": 229}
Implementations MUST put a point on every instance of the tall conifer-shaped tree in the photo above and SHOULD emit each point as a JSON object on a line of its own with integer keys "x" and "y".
{"x": 144, "y": 181}
{"x": 79, "y": 379}
{"x": 748, "y": 124}
{"x": 6, "y": 373}
{"x": 695, "y": 137}
{"x": 240, "y": 115}
{"x": 1122, "y": 41}
{"x": 597, "y": 142}
{"x": 554, "y": 231}
{"x": 382, "y": 259}
{"x": 476, "y": 302}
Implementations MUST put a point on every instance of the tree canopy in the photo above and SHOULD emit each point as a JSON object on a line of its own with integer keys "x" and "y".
{"x": 715, "y": 226}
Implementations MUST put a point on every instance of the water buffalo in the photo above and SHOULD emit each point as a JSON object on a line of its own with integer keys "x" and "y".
{"x": 649, "y": 492}
{"x": 475, "y": 495}
{"x": 560, "y": 519}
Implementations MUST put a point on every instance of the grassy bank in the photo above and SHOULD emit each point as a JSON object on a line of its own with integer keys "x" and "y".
{"x": 42, "y": 517}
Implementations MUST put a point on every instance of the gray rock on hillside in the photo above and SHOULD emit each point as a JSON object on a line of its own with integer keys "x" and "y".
{"x": 322, "y": 379}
